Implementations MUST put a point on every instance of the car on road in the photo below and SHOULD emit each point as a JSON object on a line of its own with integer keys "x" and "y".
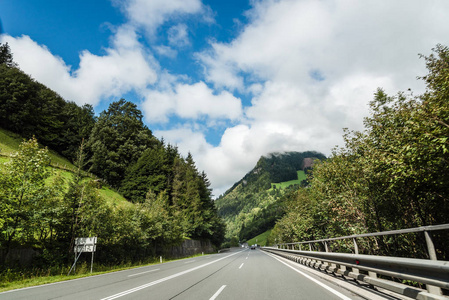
{"x": 253, "y": 247}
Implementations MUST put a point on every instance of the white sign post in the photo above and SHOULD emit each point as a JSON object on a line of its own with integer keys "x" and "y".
{"x": 84, "y": 244}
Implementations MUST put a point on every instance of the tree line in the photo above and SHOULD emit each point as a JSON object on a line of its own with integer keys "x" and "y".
{"x": 392, "y": 175}
{"x": 169, "y": 198}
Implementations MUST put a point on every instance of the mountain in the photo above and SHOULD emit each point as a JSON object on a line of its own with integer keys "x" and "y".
{"x": 254, "y": 203}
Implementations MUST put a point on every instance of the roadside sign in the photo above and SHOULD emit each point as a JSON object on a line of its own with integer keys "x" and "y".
{"x": 86, "y": 240}
{"x": 85, "y": 248}
{"x": 84, "y": 244}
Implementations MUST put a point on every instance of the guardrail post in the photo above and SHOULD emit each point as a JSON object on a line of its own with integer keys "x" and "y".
{"x": 356, "y": 251}
{"x": 328, "y": 249}
{"x": 372, "y": 274}
{"x": 356, "y": 248}
{"x": 433, "y": 256}
{"x": 310, "y": 247}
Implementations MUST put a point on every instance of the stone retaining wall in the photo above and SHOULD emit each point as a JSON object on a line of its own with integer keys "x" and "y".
{"x": 189, "y": 248}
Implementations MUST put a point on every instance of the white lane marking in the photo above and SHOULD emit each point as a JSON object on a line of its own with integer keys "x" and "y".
{"x": 83, "y": 278}
{"x": 338, "y": 294}
{"x": 188, "y": 262}
{"x": 143, "y": 272}
{"x": 246, "y": 257}
{"x": 217, "y": 292}
{"x": 124, "y": 293}
{"x": 241, "y": 265}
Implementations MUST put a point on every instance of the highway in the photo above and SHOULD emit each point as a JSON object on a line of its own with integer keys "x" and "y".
{"x": 239, "y": 274}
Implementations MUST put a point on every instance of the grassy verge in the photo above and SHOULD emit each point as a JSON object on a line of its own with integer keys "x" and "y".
{"x": 10, "y": 280}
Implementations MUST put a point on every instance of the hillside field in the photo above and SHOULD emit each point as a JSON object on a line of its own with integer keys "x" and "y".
{"x": 281, "y": 185}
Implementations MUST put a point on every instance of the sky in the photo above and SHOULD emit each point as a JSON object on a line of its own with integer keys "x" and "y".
{"x": 229, "y": 81}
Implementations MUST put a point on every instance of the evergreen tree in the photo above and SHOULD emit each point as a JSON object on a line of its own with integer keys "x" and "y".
{"x": 117, "y": 141}
{"x": 150, "y": 172}
{"x": 6, "y": 56}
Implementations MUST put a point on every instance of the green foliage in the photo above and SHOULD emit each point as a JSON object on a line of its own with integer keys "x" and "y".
{"x": 150, "y": 172}
{"x": 191, "y": 196}
{"x": 48, "y": 215}
{"x": 27, "y": 203}
{"x": 264, "y": 220}
{"x": 117, "y": 141}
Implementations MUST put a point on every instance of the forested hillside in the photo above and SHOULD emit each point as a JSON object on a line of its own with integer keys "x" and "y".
{"x": 44, "y": 209}
{"x": 252, "y": 206}
{"x": 393, "y": 175}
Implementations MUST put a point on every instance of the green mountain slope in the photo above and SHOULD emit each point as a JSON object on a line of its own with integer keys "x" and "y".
{"x": 254, "y": 203}
{"x": 9, "y": 144}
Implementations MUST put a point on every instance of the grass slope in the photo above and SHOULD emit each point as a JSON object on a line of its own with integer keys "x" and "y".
{"x": 9, "y": 144}
{"x": 261, "y": 239}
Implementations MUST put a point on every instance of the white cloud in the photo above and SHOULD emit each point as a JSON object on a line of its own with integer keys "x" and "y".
{"x": 191, "y": 102}
{"x": 195, "y": 143}
{"x": 220, "y": 71}
{"x": 178, "y": 35}
{"x": 151, "y": 14}
{"x": 124, "y": 67}
{"x": 166, "y": 51}
{"x": 334, "y": 37}
{"x": 312, "y": 67}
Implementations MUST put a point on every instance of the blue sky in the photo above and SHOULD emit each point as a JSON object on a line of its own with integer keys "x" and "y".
{"x": 229, "y": 81}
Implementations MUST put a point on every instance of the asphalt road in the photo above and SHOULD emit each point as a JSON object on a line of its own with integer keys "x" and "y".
{"x": 239, "y": 274}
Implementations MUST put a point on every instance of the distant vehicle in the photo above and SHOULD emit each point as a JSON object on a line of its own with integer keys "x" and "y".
{"x": 253, "y": 247}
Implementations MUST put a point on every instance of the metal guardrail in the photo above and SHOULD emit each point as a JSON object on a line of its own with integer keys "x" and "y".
{"x": 432, "y": 273}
